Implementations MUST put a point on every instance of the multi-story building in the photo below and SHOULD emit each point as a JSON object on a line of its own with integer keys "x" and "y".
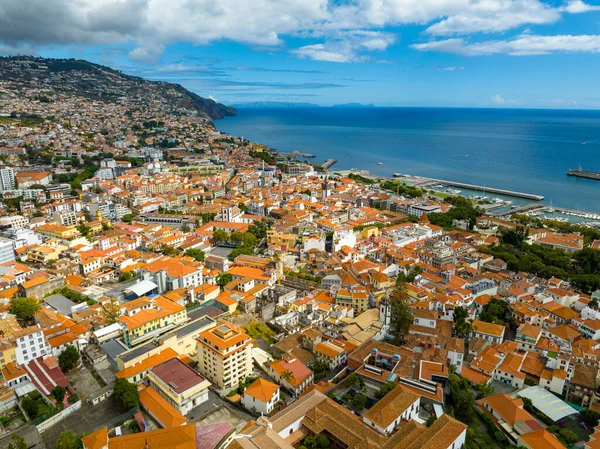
{"x": 261, "y": 396}
{"x": 146, "y": 318}
{"x": 7, "y": 251}
{"x": 31, "y": 178}
{"x": 14, "y": 222}
{"x": 30, "y": 344}
{"x": 170, "y": 273}
{"x": 65, "y": 218}
{"x": 7, "y": 179}
{"x": 224, "y": 355}
{"x": 494, "y": 333}
{"x": 179, "y": 384}
{"x": 331, "y": 354}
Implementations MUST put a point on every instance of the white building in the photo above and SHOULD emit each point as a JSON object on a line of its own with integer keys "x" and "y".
{"x": 14, "y": 222}
{"x": 65, "y": 218}
{"x": 400, "y": 404}
{"x": 7, "y": 251}
{"x": 261, "y": 396}
{"x": 23, "y": 237}
{"x": 31, "y": 343}
{"x": 7, "y": 179}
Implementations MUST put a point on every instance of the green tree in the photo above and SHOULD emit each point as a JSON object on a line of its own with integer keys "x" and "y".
{"x": 494, "y": 311}
{"x": 385, "y": 389}
{"x": 401, "y": 316}
{"x": 287, "y": 375}
{"x": 220, "y": 236}
{"x": 359, "y": 402}
{"x": 169, "y": 250}
{"x": 126, "y": 394}
{"x": 128, "y": 218}
{"x": 127, "y": 276}
{"x": 591, "y": 417}
{"x": 461, "y": 398}
{"x": 323, "y": 441}
{"x": 24, "y": 308}
{"x": 17, "y": 442}
{"x": 319, "y": 367}
{"x": 59, "y": 393}
{"x": 461, "y": 325}
{"x": 568, "y": 436}
{"x": 430, "y": 420}
{"x": 67, "y": 440}
{"x": 196, "y": 253}
{"x": 223, "y": 279}
{"x": 68, "y": 358}
{"x": 484, "y": 389}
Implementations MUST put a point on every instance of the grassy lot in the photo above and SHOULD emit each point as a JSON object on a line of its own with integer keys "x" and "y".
{"x": 258, "y": 330}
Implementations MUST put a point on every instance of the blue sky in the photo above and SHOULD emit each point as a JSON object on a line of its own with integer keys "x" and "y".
{"x": 481, "y": 53}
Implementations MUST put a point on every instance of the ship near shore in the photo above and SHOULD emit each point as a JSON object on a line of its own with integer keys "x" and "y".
{"x": 579, "y": 172}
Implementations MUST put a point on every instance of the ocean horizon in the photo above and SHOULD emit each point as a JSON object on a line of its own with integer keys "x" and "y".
{"x": 526, "y": 150}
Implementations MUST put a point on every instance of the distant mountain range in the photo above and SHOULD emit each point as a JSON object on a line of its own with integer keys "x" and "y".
{"x": 283, "y": 104}
{"x": 103, "y": 83}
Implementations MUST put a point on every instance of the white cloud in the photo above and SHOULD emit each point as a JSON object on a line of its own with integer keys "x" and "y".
{"x": 153, "y": 24}
{"x": 578, "y": 7}
{"x": 495, "y": 16}
{"x": 347, "y": 46}
{"x": 497, "y": 99}
{"x": 519, "y": 46}
{"x": 449, "y": 69}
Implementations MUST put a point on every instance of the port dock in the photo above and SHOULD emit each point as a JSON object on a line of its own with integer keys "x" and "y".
{"x": 584, "y": 174}
{"x": 528, "y": 196}
{"x": 328, "y": 163}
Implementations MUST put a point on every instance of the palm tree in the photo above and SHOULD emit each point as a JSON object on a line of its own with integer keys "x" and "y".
{"x": 287, "y": 375}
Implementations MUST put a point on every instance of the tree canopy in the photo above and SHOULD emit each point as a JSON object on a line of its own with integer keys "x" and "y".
{"x": 24, "y": 308}
{"x": 68, "y": 358}
{"x": 195, "y": 253}
{"x": 126, "y": 394}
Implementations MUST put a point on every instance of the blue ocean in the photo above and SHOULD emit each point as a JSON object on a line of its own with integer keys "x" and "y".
{"x": 522, "y": 150}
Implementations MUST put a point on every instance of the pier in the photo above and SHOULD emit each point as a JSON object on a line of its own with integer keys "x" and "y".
{"x": 531, "y": 207}
{"x": 584, "y": 174}
{"x": 328, "y": 163}
{"x": 528, "y": 196}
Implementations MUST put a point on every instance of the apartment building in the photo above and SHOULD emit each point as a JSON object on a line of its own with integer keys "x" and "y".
{"x": 7, "y": 179}
{"x": 14, "y": 222}
{"x": 170, "y": 273}
{"x": 146, "y": 318}
{"x": 179, "y": 384}
{"x": 7, "y": 252}
{"x": 30, "y": 344}
{"x": 224, "y": 355}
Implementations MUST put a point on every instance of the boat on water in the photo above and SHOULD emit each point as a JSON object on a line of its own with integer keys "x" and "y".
{"x": 379, "y": 163}
{"x": 453, "y": 191}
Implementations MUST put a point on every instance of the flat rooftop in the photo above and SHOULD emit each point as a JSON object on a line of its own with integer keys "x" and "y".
{"x": 177, "y": 375}
{"x": 138, "y": 351}
{"x": 188, "y": 328}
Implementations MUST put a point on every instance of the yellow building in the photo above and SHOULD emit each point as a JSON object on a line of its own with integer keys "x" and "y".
{"x": 95, "y": 226}
{"x": 224, "y": 355}
{"x": 57, "y": 231}
{"x": 7, "y": 353}
{"x": 370, "y": 232}
{"x": 146, "y": 318}
{"x": 357, "y": 298}
{"x": 277, "y": 239}
{"x": 45, "y": 253}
